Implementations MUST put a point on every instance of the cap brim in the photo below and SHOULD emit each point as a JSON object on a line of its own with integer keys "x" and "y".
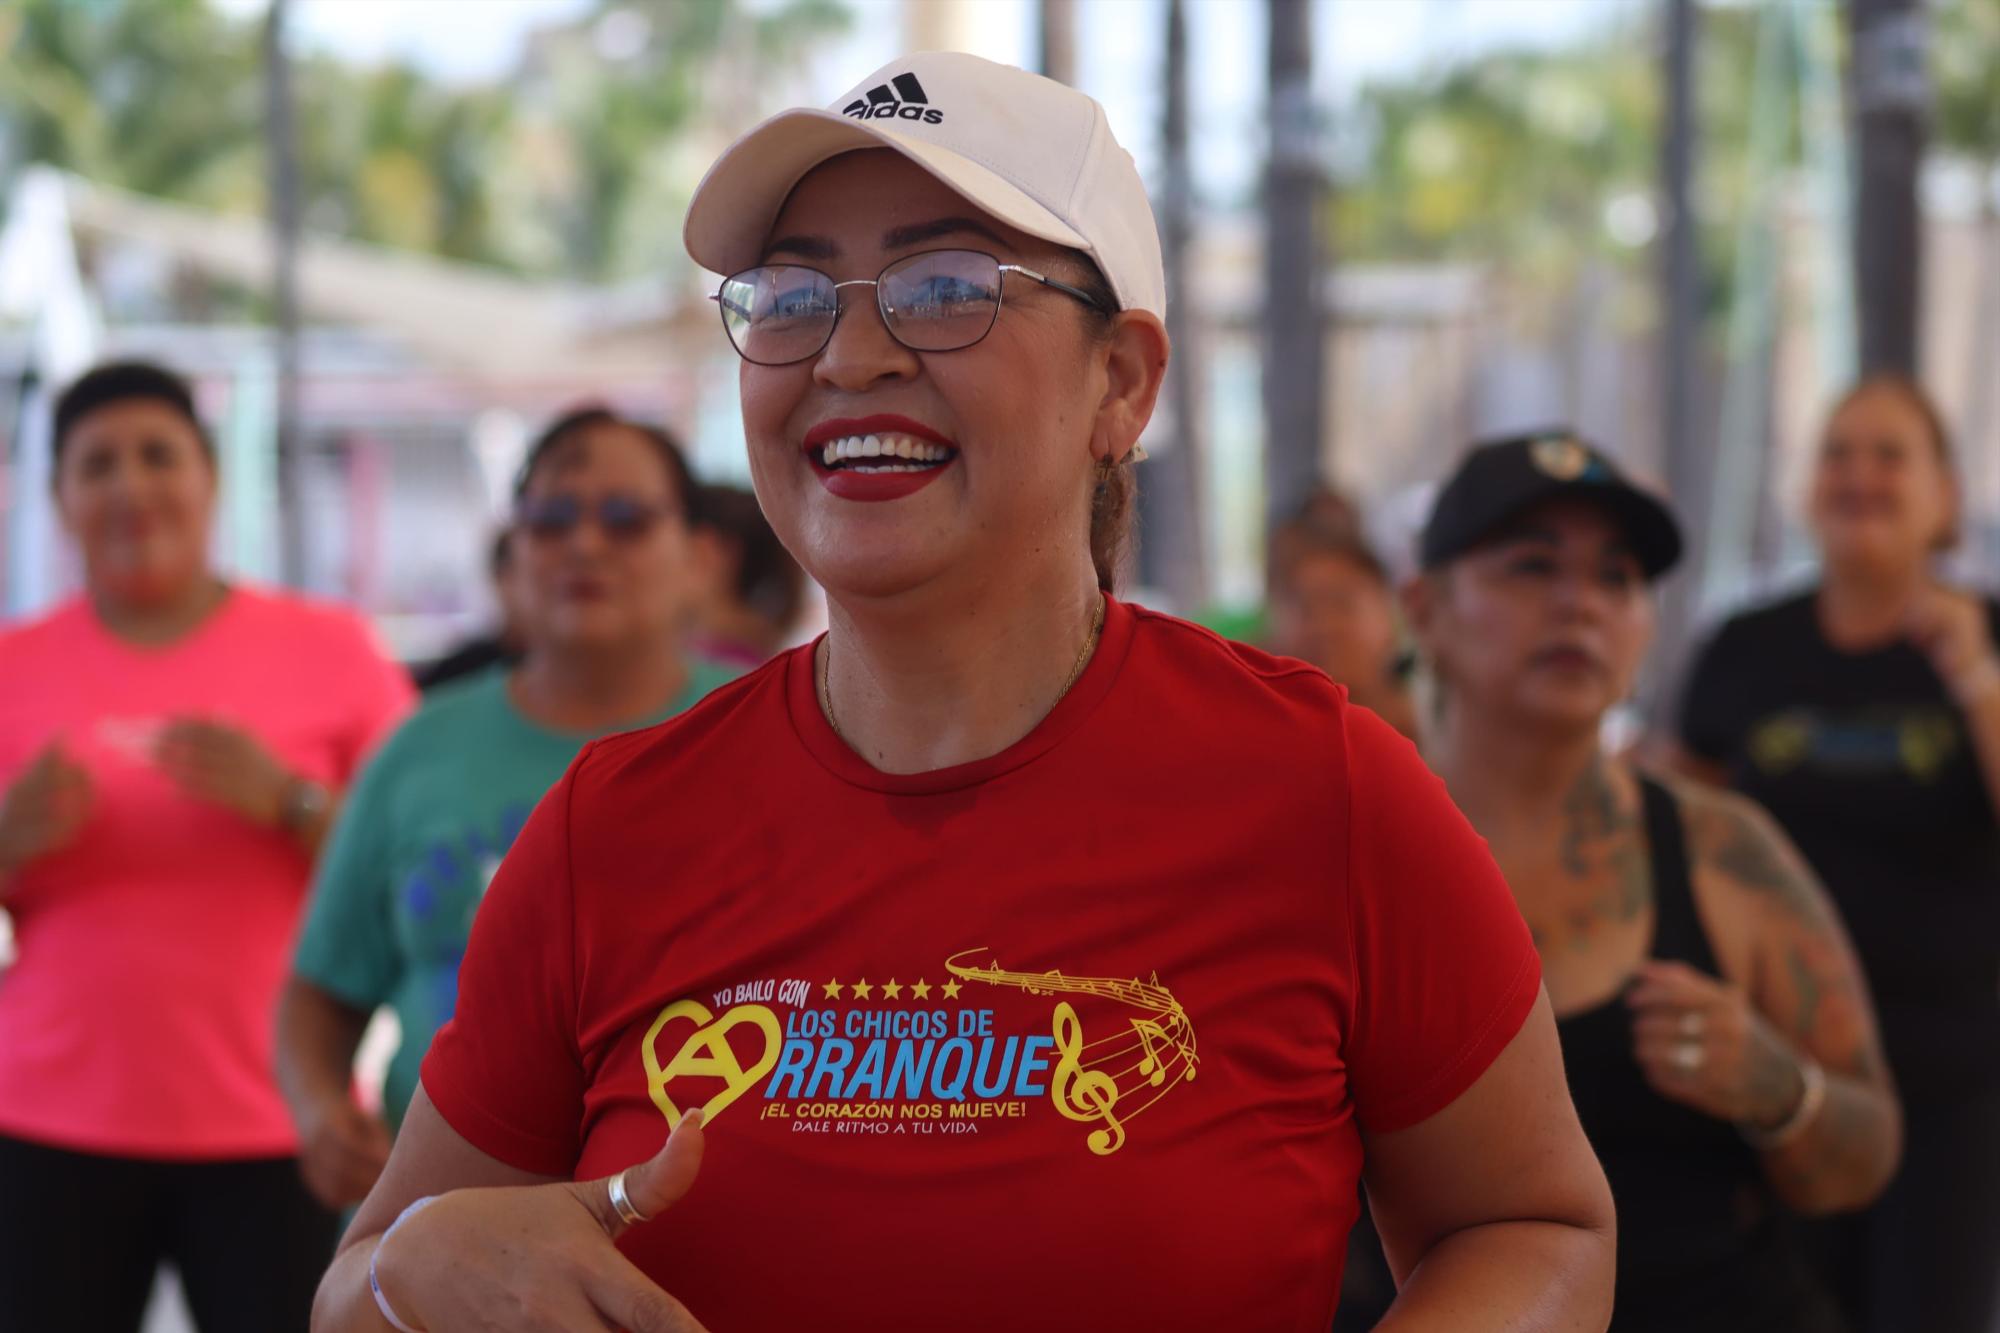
{"x": 733, "y": 208}
{"x": 1650, "y": 528}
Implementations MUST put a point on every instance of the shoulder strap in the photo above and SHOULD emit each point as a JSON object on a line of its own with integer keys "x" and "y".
{"x": 1677, "y": 930}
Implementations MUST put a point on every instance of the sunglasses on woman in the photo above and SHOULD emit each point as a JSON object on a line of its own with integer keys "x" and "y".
{"x": 621, "y": 517}
{"x": 936, "y": 301}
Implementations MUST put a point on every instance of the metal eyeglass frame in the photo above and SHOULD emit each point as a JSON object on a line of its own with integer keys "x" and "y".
{"x": 840, "y": 307}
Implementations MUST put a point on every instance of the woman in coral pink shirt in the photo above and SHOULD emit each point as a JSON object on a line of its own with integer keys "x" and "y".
{"x": 170, "y": 748}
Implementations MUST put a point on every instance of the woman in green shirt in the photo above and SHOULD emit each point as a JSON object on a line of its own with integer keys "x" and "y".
{"x": 603, "y": 570}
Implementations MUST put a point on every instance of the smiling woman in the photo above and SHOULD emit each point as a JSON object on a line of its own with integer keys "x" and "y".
{"x": 1252, "y": 951}
{"x": 1864, "y": 713}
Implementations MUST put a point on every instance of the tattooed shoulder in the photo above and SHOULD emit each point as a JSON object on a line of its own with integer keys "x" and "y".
{"x": 1734, "y": 838}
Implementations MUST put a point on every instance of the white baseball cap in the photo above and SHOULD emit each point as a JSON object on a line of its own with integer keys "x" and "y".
{"x": 1036, "y": 154}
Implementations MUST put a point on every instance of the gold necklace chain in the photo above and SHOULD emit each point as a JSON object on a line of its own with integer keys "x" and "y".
{"x": 1075, "y": 670}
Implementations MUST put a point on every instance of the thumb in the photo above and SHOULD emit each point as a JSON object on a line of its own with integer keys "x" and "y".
{"x": 657, "y": 1183}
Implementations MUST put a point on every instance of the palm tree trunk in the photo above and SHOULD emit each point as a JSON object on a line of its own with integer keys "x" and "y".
{"x": 1173, "y": 552}
{"x": 1891, "y": 91}
{"x": 1294, "y": 325}
{"x": 1058, "y": 39}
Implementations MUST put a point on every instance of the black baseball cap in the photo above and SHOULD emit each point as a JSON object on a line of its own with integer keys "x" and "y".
{"x": 1498, "y": 479}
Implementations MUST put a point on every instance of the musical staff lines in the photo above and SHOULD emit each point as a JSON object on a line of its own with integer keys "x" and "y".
{"x": 1153, "y": 1052}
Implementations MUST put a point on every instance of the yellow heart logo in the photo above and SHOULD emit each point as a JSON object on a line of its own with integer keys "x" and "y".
{"x": 707, "y": 1054}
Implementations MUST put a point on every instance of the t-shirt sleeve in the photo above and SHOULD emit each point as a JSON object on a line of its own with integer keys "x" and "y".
{"x": 380, "y": 696}
{"x": 1705, "y": 727}
{"x": 348, "y": 943}
{"x": 1445, "y": 970}
{"x": 506, "y": 1071}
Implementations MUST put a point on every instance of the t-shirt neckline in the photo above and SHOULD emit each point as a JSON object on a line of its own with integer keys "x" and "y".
{"x": 834, "y": 754}
{"x": 702, "y": 677}
{"x": 235, "y": 597}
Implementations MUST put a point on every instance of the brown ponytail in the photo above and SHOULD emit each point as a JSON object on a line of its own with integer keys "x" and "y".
{"x": 1114, "y": 491}
{"x": 1113, "y": 535}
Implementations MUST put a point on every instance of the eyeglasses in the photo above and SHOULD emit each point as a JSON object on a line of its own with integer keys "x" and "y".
{"x": 936, "y": 301}
{"x": 623, "y": 518}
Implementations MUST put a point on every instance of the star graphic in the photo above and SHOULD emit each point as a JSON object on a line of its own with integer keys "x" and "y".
{"x": 951, "y": 990}
{"x": 891, "y": 991}
{"x": 832, "y": 989}
{"x": 862, "y": 990}
{"x": 922, "y": 990}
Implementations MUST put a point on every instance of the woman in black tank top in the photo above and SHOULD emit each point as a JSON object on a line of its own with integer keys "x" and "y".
{"x": 1717, "y": 1034}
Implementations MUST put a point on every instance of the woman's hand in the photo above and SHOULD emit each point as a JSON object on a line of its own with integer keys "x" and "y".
{"x": 1950, "y": 628}
{"x": 42, "y": 811}
{"x": 214, "y": 761}
{"x": 342, "y": 1150}
{"x": 1701, "y": 1043}
{"x": 538, "y": 1258}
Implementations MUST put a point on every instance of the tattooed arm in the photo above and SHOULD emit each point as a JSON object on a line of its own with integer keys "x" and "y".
{"x": 1807, "y": 993}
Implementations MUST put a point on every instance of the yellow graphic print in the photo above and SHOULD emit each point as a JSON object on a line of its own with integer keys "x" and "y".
{"x": 1926, "y": 743}
{"x": 1098, "y": 1081}
{"x": 1779, "y": 744}
{"x": 706, "y": 1054}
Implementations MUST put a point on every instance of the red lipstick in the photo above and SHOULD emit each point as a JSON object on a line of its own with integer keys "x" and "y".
{"x": 863, "y": 484}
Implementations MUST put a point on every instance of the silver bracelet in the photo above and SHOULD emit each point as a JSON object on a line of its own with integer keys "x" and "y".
{"x": 1811, "y": 1098}
{"x": 375, "y": 1283}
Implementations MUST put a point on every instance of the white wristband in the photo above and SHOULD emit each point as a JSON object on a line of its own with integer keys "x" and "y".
{"x": 375, "y": 1284}
{"x": 1812, "y": 1095}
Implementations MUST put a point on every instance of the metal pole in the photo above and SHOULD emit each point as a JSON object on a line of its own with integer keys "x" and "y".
{"x": 1680, "y": 297}
{"x": 1172, "y": 550}
{"x": 1294, "y": 276}
{"x": 1058, "y": 39}
{"x": 281, "y": 148}
{"x": 1891, "y": 92}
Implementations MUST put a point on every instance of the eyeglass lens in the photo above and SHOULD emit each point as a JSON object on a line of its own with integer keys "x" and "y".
{"x": 937, "y": 301}
{"x": 622, "y": 517}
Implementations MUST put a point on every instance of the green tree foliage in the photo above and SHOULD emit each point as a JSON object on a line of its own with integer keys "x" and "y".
{"x": 161, "y": 97}
{"x": 1514, "y": 153}
{"x": 1966, "y": 63}
{"x": 1543, "y": 160}
{"x": 567, "y": 168}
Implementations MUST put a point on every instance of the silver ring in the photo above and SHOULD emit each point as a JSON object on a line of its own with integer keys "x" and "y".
{"x": 621, "y": 1202}
{"x": 1692, "y": 1023}
{"x": 1689, "y": 1056}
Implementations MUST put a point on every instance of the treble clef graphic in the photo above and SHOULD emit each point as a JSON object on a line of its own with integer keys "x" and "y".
{"x": 1084, "y": 1094}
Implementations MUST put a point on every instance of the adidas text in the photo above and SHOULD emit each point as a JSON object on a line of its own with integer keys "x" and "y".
{"x": 902, "y": 98}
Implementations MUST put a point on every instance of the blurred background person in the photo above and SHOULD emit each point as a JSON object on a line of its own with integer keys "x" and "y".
{"x": 171, "y": 747}
{"x": 1864, "y": 713}
{"x": 1331, "y": 605}
{"x": 603, "y": 590}
{"x": 752, "y": 603}
{"x": 1715, "y": 1025}
{"x": 498, "y": 646}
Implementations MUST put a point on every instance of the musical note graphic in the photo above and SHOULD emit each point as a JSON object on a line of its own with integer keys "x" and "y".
{"x": 1081, "y": 1093}
{"x": 1151, "y": 1067}
{"x": 1102, "y": 1080}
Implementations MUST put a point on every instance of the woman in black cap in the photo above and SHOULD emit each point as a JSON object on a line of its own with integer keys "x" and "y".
{"x": 1715, "y": 1026}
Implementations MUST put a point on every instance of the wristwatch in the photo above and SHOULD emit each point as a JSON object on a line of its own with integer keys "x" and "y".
{"x": 305, "y": 802}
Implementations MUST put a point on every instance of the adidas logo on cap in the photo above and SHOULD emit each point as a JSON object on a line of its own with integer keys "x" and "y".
{"x": 902, "y": 98}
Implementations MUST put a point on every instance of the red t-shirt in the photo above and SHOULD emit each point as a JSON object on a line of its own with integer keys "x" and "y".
{"x": 1082, "y": 1035}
